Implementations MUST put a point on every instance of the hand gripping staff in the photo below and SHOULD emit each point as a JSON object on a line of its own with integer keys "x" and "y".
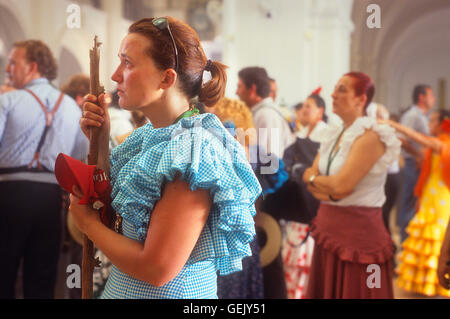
{"x": 90, "y": 179}
{"x": 88, "y": 264}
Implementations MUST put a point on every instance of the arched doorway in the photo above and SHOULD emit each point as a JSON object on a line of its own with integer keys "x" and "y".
{"x": 411, "y": 47}
{"x": 68, "y": 66}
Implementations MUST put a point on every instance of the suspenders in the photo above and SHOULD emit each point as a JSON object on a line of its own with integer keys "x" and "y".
{"x": 48, "y": 122}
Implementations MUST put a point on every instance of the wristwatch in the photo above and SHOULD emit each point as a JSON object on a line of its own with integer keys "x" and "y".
{"x": 312, "y": 178}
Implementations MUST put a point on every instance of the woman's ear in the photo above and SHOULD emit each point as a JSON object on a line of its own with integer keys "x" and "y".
{"x": 169, "y": 79}
{"x": 362, "y": 100}
{"x": 33, "y": 67}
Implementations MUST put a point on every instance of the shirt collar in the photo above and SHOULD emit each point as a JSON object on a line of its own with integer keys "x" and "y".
{"x": 304, "y": 130}
{"x": 265, "y": 102}
{"x": 37, "y": 81}
{"x": 418, "y": 109}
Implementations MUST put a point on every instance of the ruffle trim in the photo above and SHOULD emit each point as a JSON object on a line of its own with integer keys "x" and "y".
{"x": 385, "y": 132}
{"x": 350, "y": 254}
{"x": 328, "y": 135}
{"x": 428, "y": 289}
{"x": 387, "y": 136}
{"x": 202, "y": 158}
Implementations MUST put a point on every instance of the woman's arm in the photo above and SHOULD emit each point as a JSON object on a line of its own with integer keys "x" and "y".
{"x": 427, "y": 141}
{"x": 175, "y": 226}
{"x": 318, "y": 194}
{"x": 313, "y": 170}
{"x": 364, "y": 153}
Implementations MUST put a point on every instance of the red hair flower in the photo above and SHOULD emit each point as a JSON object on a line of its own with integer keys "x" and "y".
{"x": 317, "y": 91}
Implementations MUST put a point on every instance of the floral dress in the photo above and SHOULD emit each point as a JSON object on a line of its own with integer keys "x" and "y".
{"x": 419, "y": 260}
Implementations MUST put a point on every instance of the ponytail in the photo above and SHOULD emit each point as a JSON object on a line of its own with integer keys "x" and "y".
{"x": 213, "y": 90}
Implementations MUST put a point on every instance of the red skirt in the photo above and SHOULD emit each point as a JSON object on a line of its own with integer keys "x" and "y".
{"x": 352, "y": 254}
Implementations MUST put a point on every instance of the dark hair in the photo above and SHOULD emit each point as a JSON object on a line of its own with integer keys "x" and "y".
{"x": 419, "y": 90}
{"x": 362, "y": 84}
{"x": 318, "y": 99}
{"x": 320, "y": 103}
{"x": 191, "y": 58}
{"x": 443, "y": 114}
{"x": 78, "y": 84}
{"x": 257, "y": 76}
{"x": 298, "y": 106}
{"x": 37, "y": 51}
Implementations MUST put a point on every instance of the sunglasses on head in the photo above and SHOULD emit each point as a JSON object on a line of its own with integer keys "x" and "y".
{"x": 163, "y": 24}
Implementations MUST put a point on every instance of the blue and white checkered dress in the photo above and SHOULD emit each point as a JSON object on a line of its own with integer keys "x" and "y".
{"x": 206, "y": 156}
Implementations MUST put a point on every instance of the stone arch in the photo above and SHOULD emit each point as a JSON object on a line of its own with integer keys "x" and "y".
{"x": 408, "y": 49}
{"x": 72, "y": 54}
{"x": 68, "y": 66}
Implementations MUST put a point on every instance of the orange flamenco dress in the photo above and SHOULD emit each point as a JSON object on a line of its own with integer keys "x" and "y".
{"x": 417, "y": 269}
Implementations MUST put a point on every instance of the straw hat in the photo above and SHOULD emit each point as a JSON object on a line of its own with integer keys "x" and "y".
{"x": 271, "y": 228}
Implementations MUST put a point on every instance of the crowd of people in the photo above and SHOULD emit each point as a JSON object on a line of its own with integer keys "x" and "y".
{"x": 215, "y": 197}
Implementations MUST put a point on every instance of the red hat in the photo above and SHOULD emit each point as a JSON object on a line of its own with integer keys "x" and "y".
{"x": 70, "y": 172}
{"x": 91, "y": 180}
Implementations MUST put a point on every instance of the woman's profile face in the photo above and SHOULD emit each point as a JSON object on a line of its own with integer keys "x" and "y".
{"x": 311, "y": 111}
{"x": 138, "y": 79}
{"x": 344, "y": 99}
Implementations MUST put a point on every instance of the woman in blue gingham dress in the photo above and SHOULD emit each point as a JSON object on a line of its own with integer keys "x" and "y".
{"x": 182, "y": 184}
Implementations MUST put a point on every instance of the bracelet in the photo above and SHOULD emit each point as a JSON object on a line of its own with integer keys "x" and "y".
{"x": 332, "y": 199}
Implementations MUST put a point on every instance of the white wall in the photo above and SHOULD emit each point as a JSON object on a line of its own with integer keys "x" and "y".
{"x": 303, "y": 45}
{"x": 47, "y": 20}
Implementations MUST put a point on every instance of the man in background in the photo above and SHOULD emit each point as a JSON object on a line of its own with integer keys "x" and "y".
{"x": 37, "y": 122}
{"x": 415, "y": 118}
{"x": 273, "y": 89}
{"x": 273, "y": 131}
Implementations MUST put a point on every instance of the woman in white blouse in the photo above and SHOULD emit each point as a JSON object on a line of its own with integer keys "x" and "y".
{"x": 353, "y": 250}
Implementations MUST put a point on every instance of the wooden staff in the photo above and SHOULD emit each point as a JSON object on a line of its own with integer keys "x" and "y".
{"x": 88, "y": 247}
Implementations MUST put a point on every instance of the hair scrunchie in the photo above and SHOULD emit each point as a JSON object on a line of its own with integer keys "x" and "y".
{"x": 208, "y": 66}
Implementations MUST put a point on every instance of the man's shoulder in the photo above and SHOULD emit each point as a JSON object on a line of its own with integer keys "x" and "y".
{"x": 267, "y": 113}
{"x": 12, "y": 99}
{"x": 11, "y": 96}
{"x": 67, "y": 100}
{"x": 410, "y": 113}
{"x": 266, "y": 107}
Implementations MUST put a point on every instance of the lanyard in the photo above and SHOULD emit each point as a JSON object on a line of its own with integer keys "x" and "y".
{"x": 188, "y": 113}
{"x": 332, "y": 156}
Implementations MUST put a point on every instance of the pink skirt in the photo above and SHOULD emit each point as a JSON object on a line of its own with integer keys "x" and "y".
{"x": 352, "y": 254}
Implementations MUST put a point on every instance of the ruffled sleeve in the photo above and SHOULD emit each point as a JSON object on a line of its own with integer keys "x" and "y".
{"x": 387, "y": 136}
{"x": 202, "y": 152}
